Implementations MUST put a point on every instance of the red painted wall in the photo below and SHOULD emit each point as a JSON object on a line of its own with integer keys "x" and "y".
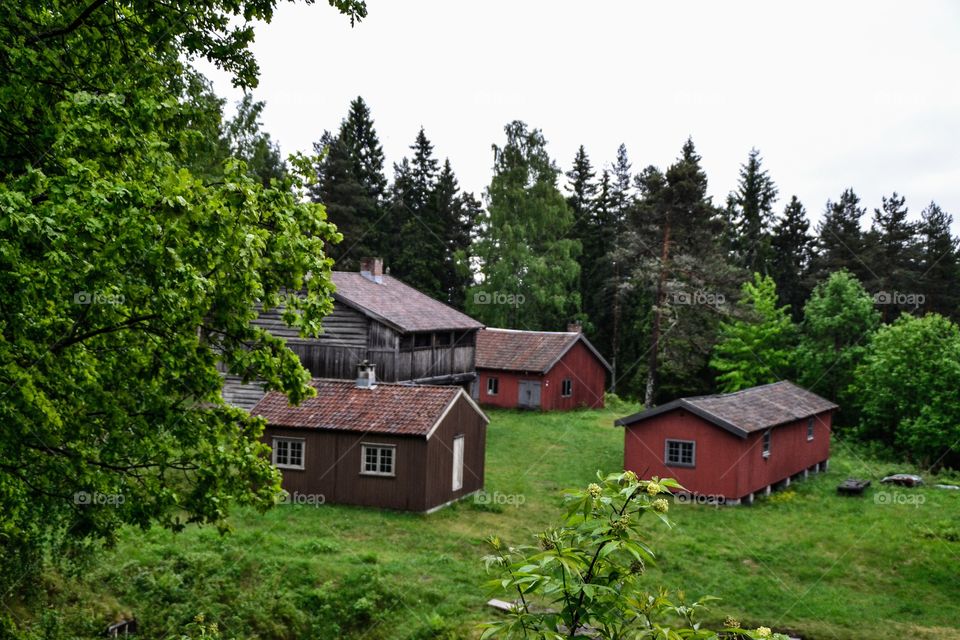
{"x": 589, "y": 379}
{"x": 726, "y": 465}
{"x": 588, "y": 376}
{"x": 508, "y": 387}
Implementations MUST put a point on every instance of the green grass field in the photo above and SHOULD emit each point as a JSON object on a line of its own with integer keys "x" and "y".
{"x": 803, "y": 560}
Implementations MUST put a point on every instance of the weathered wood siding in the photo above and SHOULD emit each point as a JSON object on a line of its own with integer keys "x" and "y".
{"x": 350, "y": 337}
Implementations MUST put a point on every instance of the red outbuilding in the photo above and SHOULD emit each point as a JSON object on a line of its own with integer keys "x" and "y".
{"x": 731, "y": 446}
{"x": 538, "y": 370}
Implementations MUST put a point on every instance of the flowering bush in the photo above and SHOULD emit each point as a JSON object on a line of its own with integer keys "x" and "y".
{"x": 585, "y": 577}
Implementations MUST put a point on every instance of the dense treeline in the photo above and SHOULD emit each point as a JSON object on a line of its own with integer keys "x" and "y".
{"x": 644, "y": 259}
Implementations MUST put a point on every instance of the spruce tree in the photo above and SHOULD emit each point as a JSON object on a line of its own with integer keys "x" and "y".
{"x": 417, "y": 231}
{"x": 840, "y": 241}
{"x": 459, "y": 213}
{"x": 751, "y": 214}
{"x": 352, "y": 186}
{"x": 792, "y": 245}
{"x": 939, "y": 262}
{"x": 583, "y": 188}
{"x": 892, "y": 255}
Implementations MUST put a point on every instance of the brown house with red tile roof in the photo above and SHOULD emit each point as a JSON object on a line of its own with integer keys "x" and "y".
{"x": 393, "y": 446}
{"x": 408, "y": 335}
{"x": 733, "y": 445}
{"x": 539, "y": 370}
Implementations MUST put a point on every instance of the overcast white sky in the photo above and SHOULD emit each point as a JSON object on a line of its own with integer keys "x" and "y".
{"x": 834, "y": 94}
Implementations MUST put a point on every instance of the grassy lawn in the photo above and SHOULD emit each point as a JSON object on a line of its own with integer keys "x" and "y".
{"x": 803, "y": 560}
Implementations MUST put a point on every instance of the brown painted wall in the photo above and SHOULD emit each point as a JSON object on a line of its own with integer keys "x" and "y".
{"x": 423, "y": 468}
{"x": 461, "y": 420}
{"x": 332, "y": 460}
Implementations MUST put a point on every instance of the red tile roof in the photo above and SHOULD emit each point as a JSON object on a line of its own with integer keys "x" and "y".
{"x": 515, "y": 350}
{"x": 398, "y": 304}
{"x": 339, "y": 405}
{"x": 747, "y": 411}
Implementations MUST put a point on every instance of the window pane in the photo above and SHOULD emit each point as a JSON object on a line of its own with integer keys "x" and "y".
{"x": 386, "y": 460}
{"x": 280, "y": 446}
{"x": 296, "y": 454}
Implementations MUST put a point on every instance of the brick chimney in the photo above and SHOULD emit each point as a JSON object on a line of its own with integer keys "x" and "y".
{"x": 366, "y": 375}
{"x": 372, "y": 269}
{"x": 575, "y": 327}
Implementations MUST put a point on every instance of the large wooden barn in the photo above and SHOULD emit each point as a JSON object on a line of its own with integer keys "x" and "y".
{"x": 393, "y": 446}
{"x": 729, "y": 447}
{"x": 539, "y": 370}
{"x": 409, "y": 336}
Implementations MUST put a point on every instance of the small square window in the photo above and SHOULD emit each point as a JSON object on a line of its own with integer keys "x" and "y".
{"x": 288, "y": 453}
{"x": 680, "y": 453}
{"x": 810, "y": 429}
{"x": 378, "y": 460}
{"x": 766, "y": 444}
{"x": 566, "y": 388}
{"x": 493, "y": 386}
{"x": 422, "y": 340}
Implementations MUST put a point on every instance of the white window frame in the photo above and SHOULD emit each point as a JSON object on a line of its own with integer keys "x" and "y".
{"x": 566, "y": 388}
{"x": 459, "y": 446}
{"x": 303, "y": 452}
{"x": 693, "y": 453}
{"x": 810, "y": 429}
{"x": 365, "y": 446}
{"x": 493, "y": 381}
{"x": 765, "y": 446}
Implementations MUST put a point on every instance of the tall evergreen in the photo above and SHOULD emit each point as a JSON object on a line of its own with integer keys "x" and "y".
{"x": 840, "y": 241}
{"x": 750, "y": 210}
{"x": 352, "y": 186}
{"x": 460, "y": 213}
{"x": 892, "y": 255}
{"x": 582, "y": 199}
{"x": 528, "y": 261}
{"x": 431, "y": 225}
{"x": 939, "y": 262}
{"x": 249, "y": 142}
{"x": 792, "y": 245}
{"x": 621, "y": 204}
{"x": 681, "y": 262}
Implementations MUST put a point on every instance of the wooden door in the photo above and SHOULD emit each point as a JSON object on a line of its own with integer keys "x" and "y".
{"x": 529, "y": 394}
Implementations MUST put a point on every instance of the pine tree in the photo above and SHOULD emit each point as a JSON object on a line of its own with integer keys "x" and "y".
{"x": 792, "y": 245}
{"x": 683, "y": 266}
{"x": 840, "y": 241}
{"x": 939, "y": 262}
{"x": 622, "y": 204}
{"x": 351, "y": 184}
{"x": 751, "y": 214}
{"x": 528, "y": 261}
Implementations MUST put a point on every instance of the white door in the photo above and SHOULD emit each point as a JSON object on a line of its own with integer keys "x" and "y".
{"x": 458, "y": 463}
